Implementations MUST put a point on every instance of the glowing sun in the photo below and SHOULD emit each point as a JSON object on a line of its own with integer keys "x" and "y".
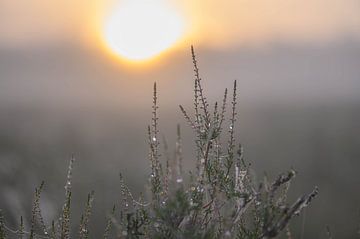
{"x": 139, "y": 30}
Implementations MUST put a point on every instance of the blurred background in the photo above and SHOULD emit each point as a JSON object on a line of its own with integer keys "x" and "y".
{"x": 62, "y": 92}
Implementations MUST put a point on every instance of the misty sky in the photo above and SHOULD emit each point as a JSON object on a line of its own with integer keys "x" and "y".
{"x": 297, "y": 63}
{"x": 209, "y": 22}
{"x": 280, "y": 50}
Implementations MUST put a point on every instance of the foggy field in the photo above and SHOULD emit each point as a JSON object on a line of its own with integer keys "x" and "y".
{"x": 298, "y": 108}
{"x": 320, "y": 142}
{"x": 187, "y": 119}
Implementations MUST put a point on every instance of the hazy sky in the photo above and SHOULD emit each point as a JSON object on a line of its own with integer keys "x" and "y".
{"x": 298, "y": 94}
{"x": 213, "y": 22}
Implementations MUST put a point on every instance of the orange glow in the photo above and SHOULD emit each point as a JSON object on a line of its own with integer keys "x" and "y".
{"x": 141, "y": 30}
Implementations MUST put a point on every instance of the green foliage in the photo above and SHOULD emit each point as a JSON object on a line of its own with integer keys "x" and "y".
{"x": 109, "y": 224}
{"x": 2, "y": 226}
{"x": 36, "y": 212}
{"x": 84, "y": 222}
{"x": 218, "y": 199}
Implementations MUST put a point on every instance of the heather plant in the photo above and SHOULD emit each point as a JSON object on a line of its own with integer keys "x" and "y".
{"x": 218, "y": 199}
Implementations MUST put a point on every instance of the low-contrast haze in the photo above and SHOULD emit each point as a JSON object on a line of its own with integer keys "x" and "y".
{"x": 62, "y": 92}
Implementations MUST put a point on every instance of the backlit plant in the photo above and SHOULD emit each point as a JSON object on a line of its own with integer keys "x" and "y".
{"x": 218, "y": 199}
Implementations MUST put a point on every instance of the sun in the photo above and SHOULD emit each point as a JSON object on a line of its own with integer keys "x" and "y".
{"x": 139, "y": 30}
